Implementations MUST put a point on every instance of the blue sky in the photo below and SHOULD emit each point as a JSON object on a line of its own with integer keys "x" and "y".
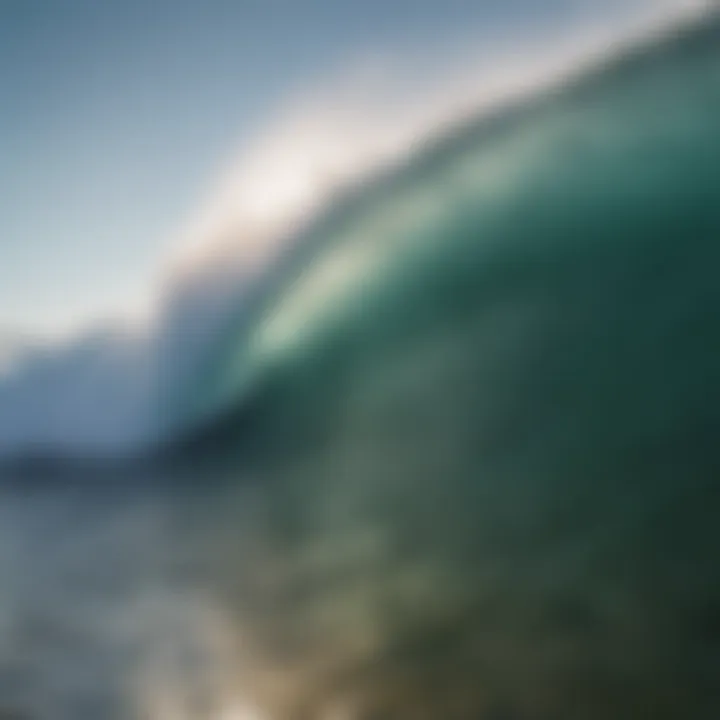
{"x": 116, "y": 116}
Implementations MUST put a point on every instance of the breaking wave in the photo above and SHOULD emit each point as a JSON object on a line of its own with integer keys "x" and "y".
{"x": 323, "y": 203}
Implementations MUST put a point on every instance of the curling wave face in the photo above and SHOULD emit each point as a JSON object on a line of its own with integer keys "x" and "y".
{"x": 522, "y": 209}
{"x": 120, "y": 390}
{"x": 483, "y": 398}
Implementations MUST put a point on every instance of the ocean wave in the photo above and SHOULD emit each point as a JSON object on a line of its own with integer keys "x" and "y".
{"x": 119, "y": 390}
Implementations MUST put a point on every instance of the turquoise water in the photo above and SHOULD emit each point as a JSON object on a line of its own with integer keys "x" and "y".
{"x": 584, "y": 196}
